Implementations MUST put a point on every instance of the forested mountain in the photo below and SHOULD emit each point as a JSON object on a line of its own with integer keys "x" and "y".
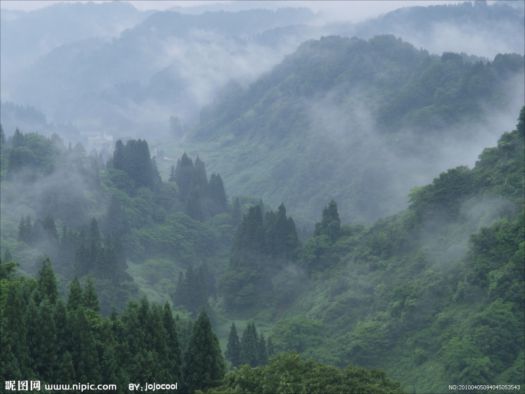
{"x": 27, "y": 35}
{"x": 263, "y": 201}
{"x": 432, "y": 295}
{"x": 119, "y": 71}
{"x": 476, "y": 27}
{"x": 320, "y": 115}
{"x": 97, "y": 218}
{"x": 147, "y": 73}
{"x": 61, "y": 343}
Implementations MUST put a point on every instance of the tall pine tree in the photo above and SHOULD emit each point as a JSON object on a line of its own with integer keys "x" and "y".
{"x": 233, "y": 349}
{"x": 203, "y": 362}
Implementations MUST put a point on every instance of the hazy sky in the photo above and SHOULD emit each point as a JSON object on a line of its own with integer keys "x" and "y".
{"x": 349, "y": 10}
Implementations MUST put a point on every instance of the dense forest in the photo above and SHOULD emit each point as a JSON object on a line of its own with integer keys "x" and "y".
{"x": 380, "y": 97}
{"x": 374, "y": 289}
{"x": 263, "y": 201}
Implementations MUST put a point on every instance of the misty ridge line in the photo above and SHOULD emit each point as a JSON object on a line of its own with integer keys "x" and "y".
{"x": 200, "y": 90}
{"x": 354, "y": 190}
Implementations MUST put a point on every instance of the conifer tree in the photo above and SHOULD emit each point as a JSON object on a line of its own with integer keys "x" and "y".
{"x": 217, "y": 194}
{"x": 262, "y": 354}
{"x": 118, "y": 156}
{"x": 47, "y": 283}
{"x": 76, "y": 298}
{"x": 62, "y": 327}
{"x": 250, "y": 235}
{"x": 249, "y": 346}
{"x": 134, "y": 159}
{"x": 330, "y": 224}
{"x": 203, "y": 362}
{"x": 65, "y": 369}
{"x": 174, "y": 364}
{"x": 233, "y": 350}
{"x": 183, "y": 175}
{"x": 200, "y": 178}
{"x": 43, "y": 340}
{"x": 83, "y": 347}
{"x": 14, "y": 357}
{"x": 90, "y": 298}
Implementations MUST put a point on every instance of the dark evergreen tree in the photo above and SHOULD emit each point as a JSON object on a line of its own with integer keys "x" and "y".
{"x": 14, "y": 355}
{"x": 281, "y": 235}
{"x": 250, "y": 346}
{"x": 183, "y": 175}
{"x": 233, "y": 349}
{"x": 119, "y": 156}
{"x": 43, "y": 340}
{"x": 330, "y": 224}
{"x": 250, "y": 235}
{"x": 174, "y": 362}
{"x": 65, "y": 369}
{"x": 134, "y": 159}
{"x": 217, "y": 194}
{"x": 76, "y": 298}
{"x": 47, "y": 283}
{"x": 90, "y": 298}
{"x": 192, "y": 289}
{"x": 200, "y": 178}
{"x": 262, "y": 353}
{"x": 203, "y": 362}
{"x": 83, "y": 347}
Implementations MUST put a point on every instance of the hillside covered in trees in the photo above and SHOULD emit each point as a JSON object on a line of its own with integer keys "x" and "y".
{"x": 349, "y": 99}
{"x": 281, "y": 200}
{"x": 430, "y": 295}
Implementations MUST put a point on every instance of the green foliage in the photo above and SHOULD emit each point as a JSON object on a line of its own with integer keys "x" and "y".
{"x": 43, "y": 339}
{"x": 290, "y": 374}
{"x": 202, "y": 198}
{"x": 262, "y": 246}
{"x": 47, "y": 283}
{"x": 203, "y": 362}
{"x": 250, "y": 346}
{"x": 432, "y": 295}
{"x": 194, "y": 287}
{"x": 444, "y": 195}
{"x": 31, "y": 151}
{"x": 330, "y": 225}
{"x": 233, "y": 349}
{"x": 134, "y": 159}
{"x": 296, "y": 335}
{"x": 278, "y": 133}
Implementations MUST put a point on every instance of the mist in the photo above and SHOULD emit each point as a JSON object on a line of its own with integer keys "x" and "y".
{"x": 343, "y": 180}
